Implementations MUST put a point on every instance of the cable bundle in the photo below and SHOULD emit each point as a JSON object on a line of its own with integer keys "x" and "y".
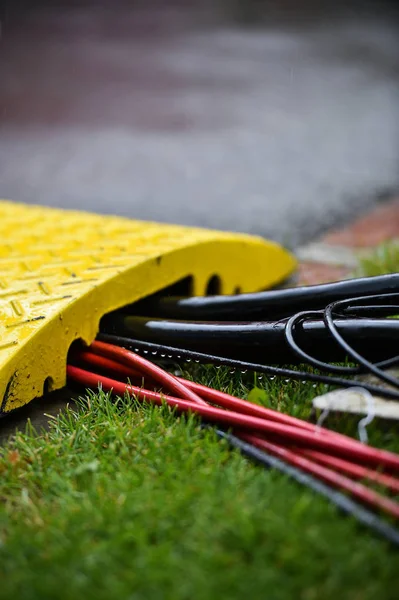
{"x": 337, "y": 324}
{"x": 317, "y": 325}
{"x": 324, "y": 460}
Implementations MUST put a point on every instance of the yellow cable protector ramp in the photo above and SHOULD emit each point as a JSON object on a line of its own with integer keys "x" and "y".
{"x": 61, "y": 271}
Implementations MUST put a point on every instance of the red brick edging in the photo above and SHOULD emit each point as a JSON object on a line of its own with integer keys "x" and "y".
{"x": 333, "y": 257}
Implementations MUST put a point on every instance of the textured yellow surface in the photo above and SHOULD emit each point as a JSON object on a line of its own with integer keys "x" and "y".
{"x": 61, "y": 271}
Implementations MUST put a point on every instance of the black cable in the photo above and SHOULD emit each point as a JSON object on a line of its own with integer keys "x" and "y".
{"x": 304, "y": 356}
{"x": 272, "y": 304}
{"x": 324, "y": 366}
{"x": 180, "y": 354}
{"x": 329, "y": 321}
{"x": 275, "y": 341}
{"x": 263, "y": 342}
{"x": 343, "y": 502}
{"x": 376, "y": 310}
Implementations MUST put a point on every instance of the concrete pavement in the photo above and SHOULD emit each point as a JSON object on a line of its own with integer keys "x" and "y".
{"x": 283, "y": 130}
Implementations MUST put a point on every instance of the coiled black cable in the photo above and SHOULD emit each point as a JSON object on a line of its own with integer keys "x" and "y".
{"x": 329, "y": 321}
{"x": 319, "y": 364}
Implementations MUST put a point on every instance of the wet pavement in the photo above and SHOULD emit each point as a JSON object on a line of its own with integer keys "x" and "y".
{"x": 164, "y": 113}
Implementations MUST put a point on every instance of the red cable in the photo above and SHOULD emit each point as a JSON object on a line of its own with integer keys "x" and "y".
{"x": 155, "y": 372}
{"x": 227, "y": 401}
{"x": 342, "y": 445}
{"x": 354, "y": 470}
{"x": 229, "y": 418}
{"x": 214, "y": 396}
{"x": 337, "y": 480}
{"x": 161, "y": 375}
{"x": 358, "y": 490}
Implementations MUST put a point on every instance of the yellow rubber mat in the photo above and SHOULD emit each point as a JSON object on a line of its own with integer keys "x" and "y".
{"x": 61, "y": 271}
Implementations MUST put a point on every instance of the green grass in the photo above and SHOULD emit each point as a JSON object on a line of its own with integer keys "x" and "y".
{"x": 385, "y": 259}
{"x": 123, "y": 501}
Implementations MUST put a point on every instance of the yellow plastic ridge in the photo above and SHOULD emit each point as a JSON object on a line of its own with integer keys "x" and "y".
{"x": 61, "y": 271}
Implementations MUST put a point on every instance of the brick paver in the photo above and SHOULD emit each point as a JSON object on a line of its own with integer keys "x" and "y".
{"x": 375, "y": 228}
{"x": 331, "y": 258}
